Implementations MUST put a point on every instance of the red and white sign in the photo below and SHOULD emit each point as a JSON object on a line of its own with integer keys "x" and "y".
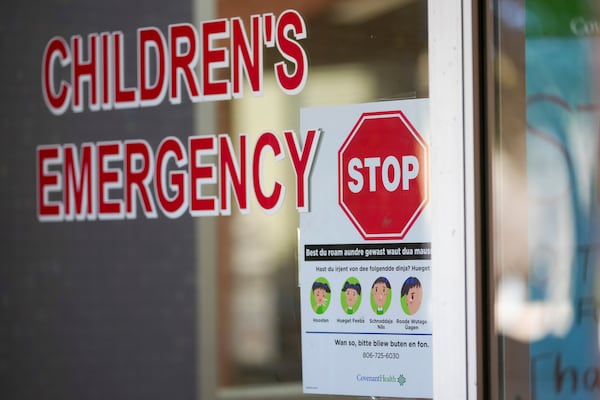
{"x": 368, "y": 229}
{"x": 383, "y": 175}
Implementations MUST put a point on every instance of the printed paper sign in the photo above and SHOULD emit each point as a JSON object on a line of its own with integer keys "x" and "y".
{"x": 365, "y": 251}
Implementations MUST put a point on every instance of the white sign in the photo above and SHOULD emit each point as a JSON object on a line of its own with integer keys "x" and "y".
{"x": 365, "y": 252}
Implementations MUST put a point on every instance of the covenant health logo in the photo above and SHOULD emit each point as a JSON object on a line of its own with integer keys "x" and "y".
{"x": 400, "y": 379}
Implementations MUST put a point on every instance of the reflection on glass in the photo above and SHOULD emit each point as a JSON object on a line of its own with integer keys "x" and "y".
{"x": 547, "y": 299}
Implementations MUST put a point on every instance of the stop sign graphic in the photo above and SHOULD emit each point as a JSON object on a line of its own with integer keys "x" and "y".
{"x": 383, "y": 175}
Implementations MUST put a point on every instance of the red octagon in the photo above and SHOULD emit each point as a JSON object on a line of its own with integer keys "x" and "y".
{"x": 383, "y": 175}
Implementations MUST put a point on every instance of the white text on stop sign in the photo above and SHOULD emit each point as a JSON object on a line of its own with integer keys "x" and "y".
{"x": 391, "y": 172}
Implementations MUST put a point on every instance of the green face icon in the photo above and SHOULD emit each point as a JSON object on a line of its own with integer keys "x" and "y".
{"x": 320, "y": 295}
{"x": 381, "y": 294}
{"x": 411, "y": 295}
{"x": 351, "y": 295}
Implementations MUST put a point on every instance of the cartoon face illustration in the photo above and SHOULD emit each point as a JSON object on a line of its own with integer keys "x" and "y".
{"x": 411, "y": 295}
{"x": 380, "y": 294}
{"x": 320, "y": 295}
{"x": 413, "y": 299}
{"x": 351, "y": 296}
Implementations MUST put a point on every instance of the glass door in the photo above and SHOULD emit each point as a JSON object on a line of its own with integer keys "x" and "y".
{"x": 543, "y": 170}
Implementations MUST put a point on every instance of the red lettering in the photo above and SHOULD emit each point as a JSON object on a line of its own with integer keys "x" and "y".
{"x": 110, "y": 180}
{"x": 269, "y": 27}
{"x": 139, "y": 167}
{"x": 302, "y": 160}
{"x": 79, "y": 192}
{"x": 291, "y": 82}
{"x": 214, "y": 58}
{"x": 232, "y": 174}
{"x": 56, "y": 101}
{"x": 124, "y": 97}
{"x": 48, "y": 182}
{"x": 246, "y": 57}
{"x": 183, "y": 61}
{"x": 201, "y": 174}
{"x": 270, "y": 203}
{"x": 85, "y": 71}
{"x": 151, "y": 93}
{"x": 107, "y": 75}
{"x": 231, "y": 52}
{"x": 171, "y": 181}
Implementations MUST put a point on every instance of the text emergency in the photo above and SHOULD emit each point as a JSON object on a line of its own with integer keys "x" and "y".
{"x": 184, "y": 61}
{"x": 109, "y": 180}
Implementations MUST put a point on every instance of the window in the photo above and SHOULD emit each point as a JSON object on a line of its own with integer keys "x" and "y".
{"x": 357, "y": 53}
{"x": 544, "y": 203}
